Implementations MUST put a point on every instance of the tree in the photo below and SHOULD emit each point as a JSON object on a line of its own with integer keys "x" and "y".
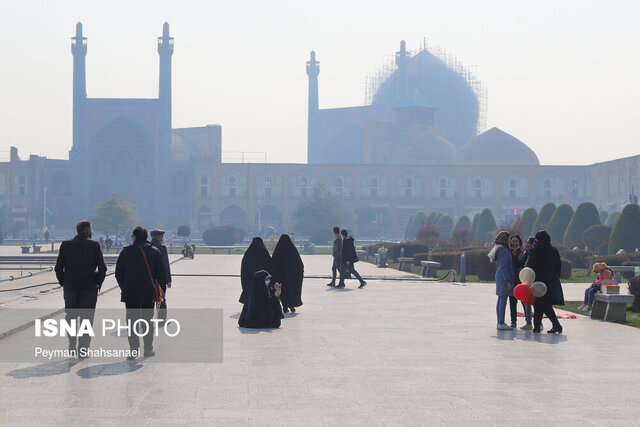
{"x": 433, "y": 218}
{"x": 585, "y": 216}
{"x": 184, "y": 231}
{"x": 463, "y": 224}
{"x": 321, "y": 210}
{"x": 408, "y": 230}
{"x": 527, "y": 221}
{"x": 559, "y": 222}
{"x": 429, "y": 235}
{"x": 223, "y": 235}
{"x": 603, "y": 216}
{"x": 474, "y": 226}
{"x": 626, "y": 233}
{"x": 486, "y": 225}
{"x": 597, "y": 238}
{"x": 544, "y": 216}
{"x": 415, "y": 222}
{"x": 445, "y": 225}
{"x": 114, "y": 216}
{"x": 612, "y": 218}
{"x": 461, "y": 238}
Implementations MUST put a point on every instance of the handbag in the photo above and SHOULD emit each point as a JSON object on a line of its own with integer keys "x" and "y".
{"x": 158, "y": 293}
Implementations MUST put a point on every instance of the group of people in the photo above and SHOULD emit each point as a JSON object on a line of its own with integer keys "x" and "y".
{"x": 271, "y": 284}
{"x": 510, "y": 258}
{"x": 81, "y": 270}
{"x": 344, "y": 258}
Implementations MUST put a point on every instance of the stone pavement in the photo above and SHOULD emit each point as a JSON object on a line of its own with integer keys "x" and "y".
{"x": 393, "y": 353}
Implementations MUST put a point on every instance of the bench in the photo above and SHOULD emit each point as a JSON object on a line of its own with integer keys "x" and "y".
{"x": 222, "y": 248}
{"x": 426, "y": 265}
{"x": 404, "y": 263}
{"x": 25, "y": 249}
{"x": 36, "y": 249}
{"x": 612, "y": 308}
{"x": 362, "y": 254}
{"x": 617, "y": 270}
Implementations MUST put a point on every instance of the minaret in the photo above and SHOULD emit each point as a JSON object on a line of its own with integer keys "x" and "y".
{"x": 402, "y": 61}
{"x": 165, "y": 50}
{"x": 79, "y": 51}
{"x": 313, "y": 69}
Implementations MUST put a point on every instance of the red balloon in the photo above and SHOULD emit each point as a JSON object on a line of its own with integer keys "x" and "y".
{"x": 531, "y": 300}
{"x": 522, "y": 292}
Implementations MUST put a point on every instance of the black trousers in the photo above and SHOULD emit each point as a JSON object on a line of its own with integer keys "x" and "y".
{"x": 541, "y": 308}
{"x": 162, "y": 310}
{"x": 80, "y": 304}
{"x": 335, "y": 268}
{"x": 513, "y": 309}
{"x": 137, "y": 311}
{"x": 351, "y": 268}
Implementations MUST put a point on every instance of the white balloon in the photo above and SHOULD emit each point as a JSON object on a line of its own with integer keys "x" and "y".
{"x": 538, "y": 289}
{"x": 527, "y": 276}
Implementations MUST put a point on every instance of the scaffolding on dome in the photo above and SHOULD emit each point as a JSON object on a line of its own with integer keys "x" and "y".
{"x": 374, "y": 81}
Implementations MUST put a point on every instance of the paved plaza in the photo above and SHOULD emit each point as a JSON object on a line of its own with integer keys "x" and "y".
{"x": 398, "y": 352}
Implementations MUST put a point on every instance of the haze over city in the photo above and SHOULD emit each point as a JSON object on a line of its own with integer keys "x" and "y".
{"x": 561, "y": 77}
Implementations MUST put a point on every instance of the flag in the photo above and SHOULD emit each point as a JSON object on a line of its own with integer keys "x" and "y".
{"x": 47, "y": 210}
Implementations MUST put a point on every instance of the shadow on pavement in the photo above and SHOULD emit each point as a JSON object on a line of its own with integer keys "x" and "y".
{"x": 254, "y": 331}
{"x": 543, "y": 337}
{"x": 339, "y": 289}
{"x": 110, "y": 369}
{"x": 235, "y": 316}
{"x": 44, "y": 370}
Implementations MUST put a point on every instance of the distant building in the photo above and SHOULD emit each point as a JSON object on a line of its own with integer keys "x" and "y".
{"x": 415, "y": 147}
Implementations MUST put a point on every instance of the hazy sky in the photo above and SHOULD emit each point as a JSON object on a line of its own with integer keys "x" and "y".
{"x": 563, "y": 77}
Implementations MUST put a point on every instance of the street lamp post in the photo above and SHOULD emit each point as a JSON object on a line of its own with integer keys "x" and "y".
{"x": 44, "y": 210}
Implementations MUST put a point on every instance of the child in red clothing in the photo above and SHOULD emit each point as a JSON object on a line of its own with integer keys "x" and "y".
{"x": 604, "y": 273}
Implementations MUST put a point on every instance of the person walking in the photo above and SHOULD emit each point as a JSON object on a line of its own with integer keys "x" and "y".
{"x": 80, "y": 270}
{"x": 336, "y": 253}
{"x": 157, "y": 236}
{"x": 505, "y": 276}
{"x": 255, "y": 258}
{"x": 288, "y": 270}
{"x": 349, "y": 257}
{"x": 544, "y": 259}
{"x": 138, "y": 265}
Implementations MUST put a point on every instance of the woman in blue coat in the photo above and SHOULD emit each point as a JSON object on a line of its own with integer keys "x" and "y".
{"x": 505, "y": 276}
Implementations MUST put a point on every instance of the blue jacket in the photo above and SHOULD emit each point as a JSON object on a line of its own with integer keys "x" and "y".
{"x": 504, "y": 271}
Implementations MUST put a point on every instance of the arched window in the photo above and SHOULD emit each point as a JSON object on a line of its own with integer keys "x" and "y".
{"x": 408, "y": 190}
{"x": 267, "y": 182}
{"x": 547, "y": 188}
{"x": 232, "y": 186}
{"x": 303, "y": 182}
{"x": 374, "y": 182}
{"x": 408, "y": 183}
{"x": 443, "y": 183}
{"x": 21, "y": 185}
{"x": 477, "y": 183}
{"x": 267, "y": 186}
{"x": 204, "y": 186}
{"x": 339, "y": 181}
{"x": 512, "y": 183}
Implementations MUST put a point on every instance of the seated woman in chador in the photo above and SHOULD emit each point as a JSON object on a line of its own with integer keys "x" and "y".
{"x": 262, "y": 308}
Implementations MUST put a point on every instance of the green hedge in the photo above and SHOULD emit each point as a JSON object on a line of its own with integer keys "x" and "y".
{"x": 410, "y": 249}
{"x": 567, "y": 266}
{"x": 585, "y": 216}
{"x": 559, "y": 222}
{"x": 626, "y": 231}
{"x": 579, "y": 257}
{"x": 224, "y": 235}
{"x": 525, "y": 224}
{"x": 544, "y": 217}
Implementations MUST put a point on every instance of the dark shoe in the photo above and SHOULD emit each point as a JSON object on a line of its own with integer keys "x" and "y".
{"x": 340, "y": 285}
{"x": 362, "y": 285}
{"x": 285, "y": 309}
{"x": 131, "y": 358}
{"x": 555, "y": 330}
{"x": 536, "y": 330}
{"x": 293, "y": 309}
{"x": 149, "y": 353}
{"x": 331, "y": 284}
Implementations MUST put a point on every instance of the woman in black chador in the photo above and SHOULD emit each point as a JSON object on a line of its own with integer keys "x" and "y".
{"x": 544, "y": 259}
{"x": 256, "y": 258}
{"x": 262, "y": 308}
{"x": 288, "y": 269}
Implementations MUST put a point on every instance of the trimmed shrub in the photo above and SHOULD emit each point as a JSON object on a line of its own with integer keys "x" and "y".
{"x": 525, "y": 225}
{"x": 474, "y": 226}
{"x": 224, "y": 235}
{"x": 603, "y": 216}
{"x": 445, "y": 225}
{"x": 567, "y": 266}
{"x": 422, "y": 256}
{"x": 634, "y": 289}
{"x": 559, "y": 222}
{"x": 429, "y": 235}
{"x": 372, "y": 249}
{"x": 463, "y": 224}
{"x": 613, "y": 259}
{"x": 184, "y": 231}
{"x": 544, "y": 216}
{"x": 448, "y": 260}
{"x": 584, "y": 217}
{"x": 612, "y": 218}
{"x": 486, "y": 226}
{"x": 410, "y": 249}
{"x": 322, "y": 236}
{"x": 478, "y": 263}
{"x": 626, "y": 231}
{"x": 579, "y": 257}
{"x": 597, "y": 238}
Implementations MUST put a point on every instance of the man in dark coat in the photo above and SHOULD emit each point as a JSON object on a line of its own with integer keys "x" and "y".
{"x": 262, "y": 308}
{"x": 136, "y": 285}
{"x": 156, "y": 241}
{"x": 336, "y": 253}
{"x": 544, "y": 259}
{"x": 288, "y": 270}
{"x": 349, "y": 258}
{"x": 80, "y": 270}
{"x": 256, "y": 258}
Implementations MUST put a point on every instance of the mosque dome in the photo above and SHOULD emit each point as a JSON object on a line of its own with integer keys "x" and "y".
{"x": 443, "y": 88}
{"x": 496, "y": 147}
{"x": 424, "y": 149}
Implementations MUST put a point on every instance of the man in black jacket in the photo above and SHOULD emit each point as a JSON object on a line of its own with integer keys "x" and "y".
{"x": 156, "y": 241}
{"x": 349, "y": 258}
{"x": 138, "y": 265}
{"x": 80, "y": 270}
{"x": 336, "y": 252}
